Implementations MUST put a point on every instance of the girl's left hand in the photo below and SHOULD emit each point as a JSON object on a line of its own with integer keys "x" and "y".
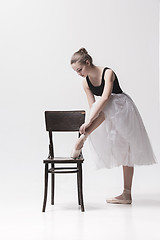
{"x": 84, "y": 127}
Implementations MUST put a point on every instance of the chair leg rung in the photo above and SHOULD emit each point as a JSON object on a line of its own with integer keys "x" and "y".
{"x": 79, "y": 186}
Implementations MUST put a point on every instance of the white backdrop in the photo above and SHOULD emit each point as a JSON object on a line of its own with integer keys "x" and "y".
{"x": 37, "y": 41}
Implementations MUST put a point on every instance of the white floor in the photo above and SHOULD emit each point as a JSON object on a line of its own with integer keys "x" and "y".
{"x": 21, "y": 198}
{"x": 25, "y": 221}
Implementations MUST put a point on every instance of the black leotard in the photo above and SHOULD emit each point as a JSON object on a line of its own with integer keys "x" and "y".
{"x": 98, "y": 90}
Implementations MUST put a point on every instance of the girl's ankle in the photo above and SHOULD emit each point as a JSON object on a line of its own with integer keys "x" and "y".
{"x": 127, "y": 191}
{"x": 127, "y": 194}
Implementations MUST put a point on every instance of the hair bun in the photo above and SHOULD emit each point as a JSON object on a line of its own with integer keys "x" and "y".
{"x": 81, "y": 56}
{"x": 83, "y": 50}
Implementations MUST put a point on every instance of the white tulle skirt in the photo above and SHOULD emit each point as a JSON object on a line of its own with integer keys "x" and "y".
{"x": 121, "y": 139}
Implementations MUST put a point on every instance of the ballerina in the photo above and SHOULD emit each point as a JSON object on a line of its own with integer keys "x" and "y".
{"x": 114, "y": 127}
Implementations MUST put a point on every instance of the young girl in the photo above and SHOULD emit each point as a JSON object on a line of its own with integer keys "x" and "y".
{"x": 116, "y": 132}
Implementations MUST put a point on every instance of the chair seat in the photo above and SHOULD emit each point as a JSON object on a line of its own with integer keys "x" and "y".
{"x": 63, "y": 160}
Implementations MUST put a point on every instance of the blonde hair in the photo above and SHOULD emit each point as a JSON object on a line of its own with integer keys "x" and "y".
{"x": 81, "y": 56}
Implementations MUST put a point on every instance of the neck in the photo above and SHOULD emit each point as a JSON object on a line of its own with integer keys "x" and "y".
{"x": 93, "y": 71}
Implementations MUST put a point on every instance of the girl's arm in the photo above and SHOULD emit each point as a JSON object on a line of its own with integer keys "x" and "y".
{"x": 90, "y": 96}
{"x": 109, "y": 78}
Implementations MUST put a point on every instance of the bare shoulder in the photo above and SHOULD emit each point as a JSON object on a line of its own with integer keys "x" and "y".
{"x": 109, "y": 75}
{"x": 85, "y": 84}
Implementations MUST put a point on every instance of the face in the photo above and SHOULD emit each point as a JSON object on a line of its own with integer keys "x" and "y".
{"x": 81, "y": 69}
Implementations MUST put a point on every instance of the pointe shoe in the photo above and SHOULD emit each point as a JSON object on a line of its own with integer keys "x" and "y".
{"x": 124, "y": 199}
{"x": 76, "y": 152}
{"x": 118, "y": 201}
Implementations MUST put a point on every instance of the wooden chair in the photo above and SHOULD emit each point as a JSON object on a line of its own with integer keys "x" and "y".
{"x": 63, "y": 121}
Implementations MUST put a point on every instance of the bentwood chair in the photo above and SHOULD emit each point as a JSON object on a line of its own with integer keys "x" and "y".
{"x": 62, "y": 121}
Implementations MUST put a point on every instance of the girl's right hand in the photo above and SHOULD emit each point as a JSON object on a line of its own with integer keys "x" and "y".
{"x": 84, "y": 127}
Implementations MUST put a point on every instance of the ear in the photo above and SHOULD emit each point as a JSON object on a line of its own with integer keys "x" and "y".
{"x": 87, "y": 62}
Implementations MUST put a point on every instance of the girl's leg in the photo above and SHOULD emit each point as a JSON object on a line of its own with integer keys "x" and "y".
{"x": 128, "y": 176}
{"x": 125, "y": 197}
{"x": 91, "y": 128}
{"x": 96, "y": 123}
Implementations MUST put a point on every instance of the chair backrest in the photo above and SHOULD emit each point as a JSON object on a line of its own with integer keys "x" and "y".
{"x": 63, "y": 121}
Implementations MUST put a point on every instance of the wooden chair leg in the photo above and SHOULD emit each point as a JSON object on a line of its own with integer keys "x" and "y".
{"x": 80, "y": 186}
{"x": 45, "y": 188}
{"x": 52, "y": 186}
{"x": 78, "y": 183}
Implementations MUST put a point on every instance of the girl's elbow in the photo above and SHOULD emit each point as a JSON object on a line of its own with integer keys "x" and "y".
{"x": 105, "y": 99}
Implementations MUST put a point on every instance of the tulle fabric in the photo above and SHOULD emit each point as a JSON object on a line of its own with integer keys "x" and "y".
{"x": 121, "y": 139}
